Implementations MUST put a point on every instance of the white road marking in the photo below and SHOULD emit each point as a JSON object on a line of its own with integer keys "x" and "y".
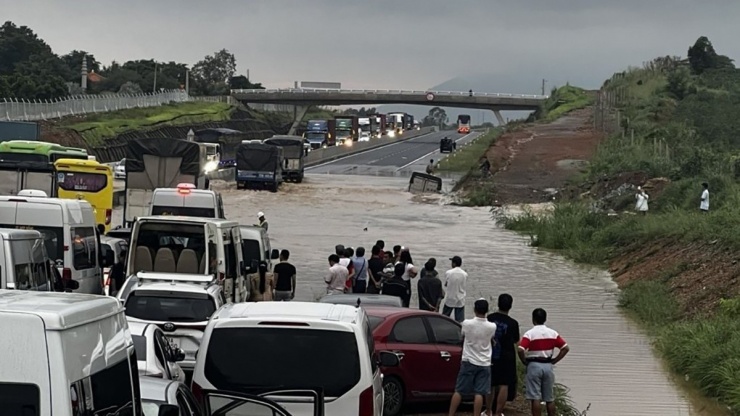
{"x": 433, "y": 152}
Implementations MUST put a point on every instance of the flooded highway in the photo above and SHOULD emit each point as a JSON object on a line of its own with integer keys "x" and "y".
{"x": 611, "y": 365}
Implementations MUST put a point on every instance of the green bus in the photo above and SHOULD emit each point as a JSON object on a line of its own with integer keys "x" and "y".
{"x": 30, "y": 165}
{"x": 36, "y": 151}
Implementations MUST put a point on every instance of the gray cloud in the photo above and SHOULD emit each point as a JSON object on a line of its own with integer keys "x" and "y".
{"x": 506, "y": 45}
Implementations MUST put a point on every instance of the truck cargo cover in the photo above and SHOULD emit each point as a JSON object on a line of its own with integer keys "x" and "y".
{"x": 292, "y": 145}
{"x": 163, "y": 147}
{"x": 258, "y": 157}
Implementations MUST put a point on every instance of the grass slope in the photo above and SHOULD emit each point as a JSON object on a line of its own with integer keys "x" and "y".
{"x": 97, "y": 127}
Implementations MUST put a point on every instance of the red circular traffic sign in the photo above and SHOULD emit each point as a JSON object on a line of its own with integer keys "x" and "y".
{"x": 430, "y": 96}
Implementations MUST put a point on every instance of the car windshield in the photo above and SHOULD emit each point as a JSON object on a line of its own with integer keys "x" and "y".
{"x": 166, "y": 307}
{"x": 300, "y": 362}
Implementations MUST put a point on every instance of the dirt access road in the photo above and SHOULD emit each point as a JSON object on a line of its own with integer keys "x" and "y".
{"x": 531, "y": 163}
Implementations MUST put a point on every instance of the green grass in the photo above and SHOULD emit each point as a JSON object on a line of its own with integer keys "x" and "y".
{"x": 563, "y": 100}
{"x": 466, "y": 158}
{"x": 97, "y": 127}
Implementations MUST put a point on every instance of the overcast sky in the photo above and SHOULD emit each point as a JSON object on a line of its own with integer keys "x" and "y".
{"x": 411, "y": 44}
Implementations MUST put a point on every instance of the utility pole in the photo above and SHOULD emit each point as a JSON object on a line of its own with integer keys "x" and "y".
{"x": 187, "y": 81}
{"x": 247, "y": 74}
{"x": 543, "y": 86}
{"x": 154, "y": 88}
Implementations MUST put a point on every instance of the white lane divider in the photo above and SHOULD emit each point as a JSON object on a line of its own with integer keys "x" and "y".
{"x": 435, "y": 151}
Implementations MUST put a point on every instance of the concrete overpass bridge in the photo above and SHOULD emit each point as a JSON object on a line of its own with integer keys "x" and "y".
{"x": 302, "y": 98}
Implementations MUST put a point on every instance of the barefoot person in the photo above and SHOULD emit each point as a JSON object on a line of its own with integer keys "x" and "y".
{"x": 474, "y": 377}
{"x": 536, "y": 351}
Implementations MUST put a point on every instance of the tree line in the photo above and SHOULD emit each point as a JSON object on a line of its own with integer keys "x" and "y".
{"x": 29, "y": 69}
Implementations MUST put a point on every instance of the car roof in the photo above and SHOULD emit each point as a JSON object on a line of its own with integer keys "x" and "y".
{"x": 365, "y": 299}
{"x": 304, "y": 311}
{"x": 195, "y": 220}
{"x": 17, "y": 234}
{"x": 390, "y": 311}
{"x": 155, "y": 388}
{"x": 111, "y": 240}
{"x": 60, "y": 311}
{"x": 140, "y": 328}
{"x": 182, "y": 287}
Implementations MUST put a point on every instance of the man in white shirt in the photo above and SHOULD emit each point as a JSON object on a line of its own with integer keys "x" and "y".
{"x": 455, "y": 280}
{"x": 704, "y": 205}
{"x": 337, "y": 276}
{"x": 642, "y": 201}
{"x": 474, "y": 377}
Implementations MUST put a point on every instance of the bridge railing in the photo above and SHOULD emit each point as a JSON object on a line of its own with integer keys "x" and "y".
{"x": 400, "y": 92}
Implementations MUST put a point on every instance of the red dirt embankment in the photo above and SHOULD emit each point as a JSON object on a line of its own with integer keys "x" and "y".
{"x": 530, "y": 163}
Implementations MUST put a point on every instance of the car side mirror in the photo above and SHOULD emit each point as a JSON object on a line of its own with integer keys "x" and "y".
{"x": 388, "y": 359}
{"x": 72, "y": 285}
{"x": 275, "y": 254}
{"x": 168, "y": 410}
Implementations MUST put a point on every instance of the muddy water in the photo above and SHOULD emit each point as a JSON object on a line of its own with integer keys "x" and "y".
{"x": 611, "y": 365}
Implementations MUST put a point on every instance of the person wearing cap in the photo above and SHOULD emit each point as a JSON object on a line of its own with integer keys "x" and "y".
{"x": 263, "y": 221}
{"x": 642, "y": 201}
{"x": 474, "y": 377}
{"x": 455, "y": 281}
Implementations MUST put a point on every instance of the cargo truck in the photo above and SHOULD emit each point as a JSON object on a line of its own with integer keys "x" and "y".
{"x": 380, "y": 125}
{"x": 259, "y": 165}
{"x": 160, "y": 162}
{"x": 346, "y": 128}
{"x": 397, "y": 120}
{"x": 320, "y": 133}
{"x": 408, "y": 121}
{"x": 293, "y": 167}
{"x": 367, "y": 127}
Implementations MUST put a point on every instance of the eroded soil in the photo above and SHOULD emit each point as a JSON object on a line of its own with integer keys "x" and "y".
{"x": 531, "y": 163}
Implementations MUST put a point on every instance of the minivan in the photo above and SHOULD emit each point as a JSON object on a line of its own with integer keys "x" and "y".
{"x": 253, "y": 347}
{"x": 69, "y": 231}
{"x": 66, "y": 354}
{"x": 24, "y": 264}
{"x": 186, "y": 200}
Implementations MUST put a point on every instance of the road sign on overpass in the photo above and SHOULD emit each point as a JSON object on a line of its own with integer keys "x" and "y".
{"x": 462, "y": 99}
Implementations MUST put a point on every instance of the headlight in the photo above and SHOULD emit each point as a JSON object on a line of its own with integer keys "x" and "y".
{"x": 391, "y": 134}
{"x": 348, "y": 142}
{"x": 210, "y": 166}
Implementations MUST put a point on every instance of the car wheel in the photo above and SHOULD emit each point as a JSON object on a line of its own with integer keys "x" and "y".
{"x": 393, "y": 396}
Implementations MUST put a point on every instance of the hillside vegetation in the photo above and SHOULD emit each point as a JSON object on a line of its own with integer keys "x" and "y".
{"x": 562, "y": 101}
{"x": 96, "y": 127}
{"x": 677, "y": 266}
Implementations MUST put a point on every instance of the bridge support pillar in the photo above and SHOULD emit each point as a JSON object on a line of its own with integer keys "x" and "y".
{"x": 499, "y": 117}
{"x": 299, "y": 111}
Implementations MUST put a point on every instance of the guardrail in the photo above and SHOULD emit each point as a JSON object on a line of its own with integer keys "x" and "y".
{"x": 401, "y": 92}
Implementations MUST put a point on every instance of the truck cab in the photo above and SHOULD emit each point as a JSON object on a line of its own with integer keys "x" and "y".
{"x": 186, "y": 200}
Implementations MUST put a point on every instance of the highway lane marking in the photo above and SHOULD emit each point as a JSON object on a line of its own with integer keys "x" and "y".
{"x": 435, "y": 151}
{"x": 368, "y": 150}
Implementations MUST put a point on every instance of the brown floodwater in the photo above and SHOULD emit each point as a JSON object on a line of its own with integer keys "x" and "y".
{"x": 611, "y": 365}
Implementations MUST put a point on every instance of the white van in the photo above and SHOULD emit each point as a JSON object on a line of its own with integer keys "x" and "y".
{"x": 190, "y": 245}
{"x": 187, "y": 200}
{"x": 69, "y": 231}
{"x": 66, "y": 354}
{"x": 255, "y": 347}
{"x": 256, "y": 247}
{"x": 24, "y": 264}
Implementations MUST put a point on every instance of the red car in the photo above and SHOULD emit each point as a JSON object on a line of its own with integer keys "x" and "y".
{"x": 430, "y": 348}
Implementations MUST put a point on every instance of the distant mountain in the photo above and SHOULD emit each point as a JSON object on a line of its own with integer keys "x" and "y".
{"x": 479, "y": 83}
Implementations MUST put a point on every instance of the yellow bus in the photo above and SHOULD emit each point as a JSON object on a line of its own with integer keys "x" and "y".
{"x": 89, "y": 180}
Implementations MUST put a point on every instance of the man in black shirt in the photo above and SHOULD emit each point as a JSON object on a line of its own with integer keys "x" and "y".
{"x": 396, "y": 286}
{"x": 503, "y": 356}
{"x": 284, "y": 278}
{"x": 375, "y": 266}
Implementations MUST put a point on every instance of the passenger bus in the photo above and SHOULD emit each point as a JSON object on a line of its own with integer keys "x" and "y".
{"x": 88, "y": 180}
{"x": 35, "y": 151}
{"x": 463, "y": 123}
{"x": 30, "y": 165}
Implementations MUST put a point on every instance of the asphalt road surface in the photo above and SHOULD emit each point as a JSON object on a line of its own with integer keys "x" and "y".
{"x": 398, "y": 159}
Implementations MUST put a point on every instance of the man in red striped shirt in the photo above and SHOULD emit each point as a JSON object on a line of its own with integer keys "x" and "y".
{"x": 536, "y": 351}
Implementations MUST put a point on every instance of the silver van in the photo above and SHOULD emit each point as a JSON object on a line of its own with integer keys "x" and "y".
{"x": 24, "y": 264}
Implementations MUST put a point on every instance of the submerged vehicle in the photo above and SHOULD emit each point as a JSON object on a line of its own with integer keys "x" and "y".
{"x": 292, "y": 164}
{"x": 259, "y": 165}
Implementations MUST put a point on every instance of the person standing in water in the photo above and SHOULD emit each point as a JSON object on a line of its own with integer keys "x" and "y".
{"x": 263, "y": 221}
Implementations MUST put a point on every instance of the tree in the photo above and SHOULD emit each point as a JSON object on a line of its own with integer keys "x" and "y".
{"x": 437, "y": 117}
{"x": 702, "y": 56}
{"x": 212, "y": 74}
{"x": 73, "y": 62}
{"x": 19, "y": 44}
{"x": 130, "y": 88}
{"x": 679, "y": 81}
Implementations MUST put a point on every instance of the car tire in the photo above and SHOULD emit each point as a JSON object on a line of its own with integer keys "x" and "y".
{"x": 393, "y": 393}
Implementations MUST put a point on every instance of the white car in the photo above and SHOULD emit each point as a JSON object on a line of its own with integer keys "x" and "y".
{"x": 119, "y": 170}
{"x": 155, "y": 354}
{"x": 180, "y": 304}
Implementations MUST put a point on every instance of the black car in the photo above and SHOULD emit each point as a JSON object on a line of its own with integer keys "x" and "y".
{"x": 447, "y": 145}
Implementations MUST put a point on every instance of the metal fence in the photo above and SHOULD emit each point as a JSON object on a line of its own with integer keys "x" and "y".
{"x": 34, "y": 110}
{"x": 399, "y": 92}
